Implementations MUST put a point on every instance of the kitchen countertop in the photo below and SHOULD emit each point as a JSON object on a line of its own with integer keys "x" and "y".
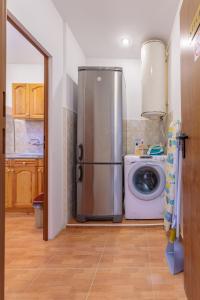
{"x": 24, "y": 156}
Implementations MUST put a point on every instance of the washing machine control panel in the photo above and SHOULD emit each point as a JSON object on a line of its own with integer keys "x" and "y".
{"x": 134, "y": 158}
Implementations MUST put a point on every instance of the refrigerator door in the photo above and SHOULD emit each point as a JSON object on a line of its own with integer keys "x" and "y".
{"x": 99, "y": 191}
{"x": 100, "y": 116}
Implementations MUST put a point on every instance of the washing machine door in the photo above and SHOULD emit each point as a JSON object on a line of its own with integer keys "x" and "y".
{"x": 146, "y": 180}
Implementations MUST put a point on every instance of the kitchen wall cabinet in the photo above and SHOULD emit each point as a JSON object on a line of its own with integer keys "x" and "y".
{"x": 28, "y": 101}
{"x": 36, "y": 97}
{"x": 20, "y": 106}
{"x": 24, "y": 181}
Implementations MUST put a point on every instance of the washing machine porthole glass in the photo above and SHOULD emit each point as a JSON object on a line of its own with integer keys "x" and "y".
{"x": 146, "y": 180}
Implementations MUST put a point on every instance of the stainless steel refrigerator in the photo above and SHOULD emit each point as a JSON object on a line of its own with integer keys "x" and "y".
{"x": 100, "y": 144}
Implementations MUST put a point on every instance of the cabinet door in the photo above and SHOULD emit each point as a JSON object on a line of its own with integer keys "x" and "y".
{"x": 36, "y": 96}
{"x": 8, "y": 187}
{"x": 40, "y": 180}
{"x": 25, "y": 186}
{"x": 20, "y": 98}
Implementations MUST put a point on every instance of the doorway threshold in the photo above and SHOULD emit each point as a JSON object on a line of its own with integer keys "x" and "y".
{"x": 125, "y": 223}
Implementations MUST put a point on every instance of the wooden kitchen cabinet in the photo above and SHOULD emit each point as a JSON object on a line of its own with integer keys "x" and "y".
{"x": 20, "y": 95}
{"x": 8, "y": 185}
{"x": 40, "y": 179}
{"x": 28, "y": 101}
{"x": 36, "y": 97}
{"x": 24, "y": 181}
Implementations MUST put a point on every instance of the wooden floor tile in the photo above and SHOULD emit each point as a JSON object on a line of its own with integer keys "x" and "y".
{"x": 122, "y": 283}
{"x": 77, "y": 259}
{"x": 62, "y": 283}
{"x": 139, "y": 259}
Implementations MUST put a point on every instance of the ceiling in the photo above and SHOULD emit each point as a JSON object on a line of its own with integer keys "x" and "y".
{"x": 19, "y": 50}
{"x": 99, "y": 25}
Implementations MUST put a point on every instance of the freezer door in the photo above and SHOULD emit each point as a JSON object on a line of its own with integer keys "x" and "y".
{"x": 99, "y": 190}
{"x": 100, "y": 116}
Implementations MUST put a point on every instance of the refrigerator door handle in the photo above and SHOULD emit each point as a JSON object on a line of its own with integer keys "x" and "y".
{"x": 80, "y": 152}
{"x": 80, "y": 176}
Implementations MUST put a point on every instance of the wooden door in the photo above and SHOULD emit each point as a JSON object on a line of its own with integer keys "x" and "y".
{"x": 190, "y": 74}
{"x": 25, "y": 186}
{"x": 36, "y": 98}
{"x": 20, "y": 96}
{"x": 2, "y": 139}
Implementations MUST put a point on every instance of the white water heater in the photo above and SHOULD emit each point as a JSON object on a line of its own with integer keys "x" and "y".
{"x": 154, "y": 79}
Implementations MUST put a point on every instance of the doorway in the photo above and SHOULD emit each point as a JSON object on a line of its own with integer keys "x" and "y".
{"x": 24, "y": 170}
{"x": 34, "y": 114}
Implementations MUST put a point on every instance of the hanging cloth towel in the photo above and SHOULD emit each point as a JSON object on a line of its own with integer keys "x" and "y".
{"x": 171, "y": 174}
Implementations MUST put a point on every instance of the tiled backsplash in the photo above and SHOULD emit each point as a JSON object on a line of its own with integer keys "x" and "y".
{"x": 151, "y": 131}
{"x": 69, "y": 152}
{"x": 20, "y": 135}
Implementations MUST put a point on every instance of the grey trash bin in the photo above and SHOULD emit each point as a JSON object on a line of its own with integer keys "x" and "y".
{"x": 38, "y": 208}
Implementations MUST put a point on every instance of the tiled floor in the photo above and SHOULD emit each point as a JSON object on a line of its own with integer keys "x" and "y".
{"x": 88, "y": 264}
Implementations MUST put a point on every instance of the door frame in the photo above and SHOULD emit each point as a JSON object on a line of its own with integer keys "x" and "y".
{"x": 30, "y": 38}
{"x": 2, "y": 141}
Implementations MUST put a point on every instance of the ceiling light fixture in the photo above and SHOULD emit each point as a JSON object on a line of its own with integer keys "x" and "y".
{"x": 126, "y": 42}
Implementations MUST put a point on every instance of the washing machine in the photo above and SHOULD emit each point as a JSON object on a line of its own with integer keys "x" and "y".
{"x": 144, "y": 187}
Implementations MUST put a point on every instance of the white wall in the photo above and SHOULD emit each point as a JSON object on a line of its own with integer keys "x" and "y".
{"x": 27, "y": 73}
{"x": 45, "y": 24}
{"x": 174, "y": 70}
{"x": 132, "y": 74}
{"x": 74, "y": 57}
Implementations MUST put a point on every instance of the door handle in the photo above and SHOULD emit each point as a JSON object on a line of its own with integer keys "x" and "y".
{"x": 80, "y": 177}
{"x": 80, "y": 152}
{"x": 182, "y": 137}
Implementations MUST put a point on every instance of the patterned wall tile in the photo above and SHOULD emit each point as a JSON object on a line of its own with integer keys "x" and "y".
{"x": 10, "y": 139}
{"x": 19, "y": 135}
{"x": 151, "y": 131}
{"x": 69, "y": 145}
